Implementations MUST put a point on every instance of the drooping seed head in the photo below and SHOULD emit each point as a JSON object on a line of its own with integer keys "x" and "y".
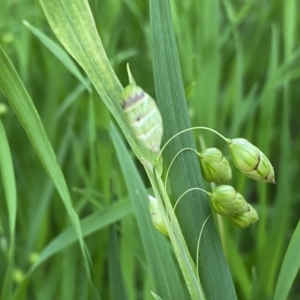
{"x": 156, "y": 216}
{"x": 143, "y": 117}
{"x": 250, "y": 160}
{"x": 214, "y": 166}
{"x": 246, "y": 219}
{"x": 225, "y": 200}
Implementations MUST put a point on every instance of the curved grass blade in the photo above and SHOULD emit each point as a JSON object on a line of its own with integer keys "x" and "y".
{"x": 8, "y": 178}
{"x": 59, "y": 53}
{"x": 16, "y": 94}
{"x": 89, "y": 225}
{"x": 161, "y": 265}
{"x": 289, "y": 268}
{"x": 73, "y": 24}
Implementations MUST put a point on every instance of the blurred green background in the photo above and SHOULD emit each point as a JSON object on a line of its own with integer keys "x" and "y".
{"x": 241, "y": 65}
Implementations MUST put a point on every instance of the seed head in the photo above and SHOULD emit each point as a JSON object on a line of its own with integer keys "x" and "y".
{"x": 225, "y": 200}
{"x": 250, "y": 160}
{"x": 142, "y": 116}
{"x": 214, "y": 166}
{"x": 246, "y": 219}
{"x": 156, "y": 216}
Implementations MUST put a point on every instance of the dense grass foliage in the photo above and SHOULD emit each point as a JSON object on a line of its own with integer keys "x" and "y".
{"x": 240, "y": 63}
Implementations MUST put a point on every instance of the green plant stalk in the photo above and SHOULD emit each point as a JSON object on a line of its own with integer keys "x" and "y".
{"x": 185, "y": 261}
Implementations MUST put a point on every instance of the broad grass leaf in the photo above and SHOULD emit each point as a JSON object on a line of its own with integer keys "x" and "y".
{"x": 160, "y": 263}
{"x": 193, "y": 209}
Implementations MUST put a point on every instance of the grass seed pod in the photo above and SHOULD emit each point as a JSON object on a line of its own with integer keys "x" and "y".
{"x": 214, "y": 166}
{"x": 246, "y": 219}
{"x": 251, "y": 161}
{"x": 156, "y": 216}
{"x": 143, "y": 117}
{"x": 226, "y": 201}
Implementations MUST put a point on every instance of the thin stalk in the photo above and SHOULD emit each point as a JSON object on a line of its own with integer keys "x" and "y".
{"x": 189, "y": 190}
{"x": 169, "y": 168}
{"x": 189, "y": 129}
{"x": 198, "y": 245}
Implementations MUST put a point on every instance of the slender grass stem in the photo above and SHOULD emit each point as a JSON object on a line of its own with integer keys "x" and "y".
{"x": 198, "y": 245}
{"x": 190, "y": 129}
{"x": 168, "y": 171}
{"x": 189, "y": 190}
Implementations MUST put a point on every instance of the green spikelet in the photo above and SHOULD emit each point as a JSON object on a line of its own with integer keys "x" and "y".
{"x": 214, "y": 166}
{"x": 143, "y": 116}
{"x": 156, "y": 216}
{"x": 226, "y": 201}
{"x": 246, "y": 219}
{"x": 250, "y": 160}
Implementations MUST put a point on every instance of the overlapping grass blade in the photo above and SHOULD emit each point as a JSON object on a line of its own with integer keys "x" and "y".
{"x": 90, "y": 224}
{"x": 267, "y": 105}
{"x": 94, "y": 222}
{"x": 58, "y": 52}
{"x": 269, "y": 262}
{"x": 194, "y": 208}
{"x": 73, "y": 24}
{"x": 117, "y": 287}
{"x": 160, "y": 263}
{"x": 289, "y": 268}
{"x": 8, "y": 179}
{"x": 15, "y": 92}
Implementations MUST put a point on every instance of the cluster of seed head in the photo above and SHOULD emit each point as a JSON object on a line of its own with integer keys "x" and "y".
{"x": 215, "y": 168}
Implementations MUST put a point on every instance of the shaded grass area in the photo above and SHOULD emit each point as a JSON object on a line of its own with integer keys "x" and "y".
{"x": 240, "y": 65}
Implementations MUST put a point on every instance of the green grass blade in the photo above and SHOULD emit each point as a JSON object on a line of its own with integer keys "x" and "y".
{"x": 59, "y": 53}
{"x": 209, "y": 67}
{"x": 160, "y": 263}
{"x": 268, "y": 105}
{"x": 194, "y": 209}
{"x": 72, "y": 22}
{"x": 289, "y": 268}
{"x": 156, "y": 297}
{"x": 238, "y": 269}
{"x": 8, "y": 178}
{"x": 15, "y": 92}
{"x": 90, "y": 224}
{"x": 117, "y": 287}
{"x": 273, "y": 251}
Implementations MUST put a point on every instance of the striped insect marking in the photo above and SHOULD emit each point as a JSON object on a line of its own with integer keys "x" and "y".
{"x": 143, "y": 117}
